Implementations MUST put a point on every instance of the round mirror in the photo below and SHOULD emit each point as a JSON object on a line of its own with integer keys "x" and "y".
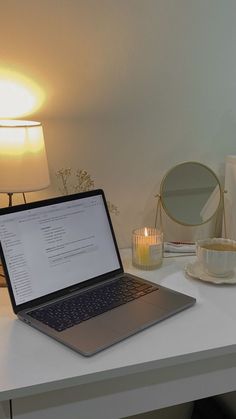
{"x": 190, "y": 193}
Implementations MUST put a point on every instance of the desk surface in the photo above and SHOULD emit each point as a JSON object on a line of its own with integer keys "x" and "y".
{"x": 31, "y": 362}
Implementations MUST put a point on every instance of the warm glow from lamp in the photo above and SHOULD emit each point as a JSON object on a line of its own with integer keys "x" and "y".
{"x": 19, "y": 95}
{"x": 23, "y": 161}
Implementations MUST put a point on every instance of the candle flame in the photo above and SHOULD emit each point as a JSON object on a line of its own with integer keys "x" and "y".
{"x": 145, "y": 232}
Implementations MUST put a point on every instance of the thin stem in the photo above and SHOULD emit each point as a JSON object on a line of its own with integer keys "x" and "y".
{"x": 10, "y": 194}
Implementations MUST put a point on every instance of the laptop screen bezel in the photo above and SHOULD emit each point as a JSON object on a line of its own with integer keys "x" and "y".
{"x": 72, "y": 288}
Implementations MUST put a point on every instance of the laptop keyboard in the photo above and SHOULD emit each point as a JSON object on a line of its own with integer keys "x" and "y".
{"x": 74, "y": 310}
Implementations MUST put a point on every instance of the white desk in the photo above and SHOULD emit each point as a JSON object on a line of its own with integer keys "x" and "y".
{"x": 186, "y": 357}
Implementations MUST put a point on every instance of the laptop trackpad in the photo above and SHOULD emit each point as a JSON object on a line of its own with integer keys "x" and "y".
{"x": 133, "y": 316}
{"x": 99, "y": 332}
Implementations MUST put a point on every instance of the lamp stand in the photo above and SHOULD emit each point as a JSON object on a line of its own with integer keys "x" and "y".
{"x": 10, "y": 194}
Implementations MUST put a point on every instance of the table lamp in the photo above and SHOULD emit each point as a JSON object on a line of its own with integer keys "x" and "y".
{"x": 23, "y": 160}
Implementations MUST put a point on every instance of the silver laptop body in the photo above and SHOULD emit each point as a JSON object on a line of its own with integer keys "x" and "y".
{"x": 62, "y": 252}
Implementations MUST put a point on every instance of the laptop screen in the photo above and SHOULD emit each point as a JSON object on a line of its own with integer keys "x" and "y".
{"x": 48, "y": 248}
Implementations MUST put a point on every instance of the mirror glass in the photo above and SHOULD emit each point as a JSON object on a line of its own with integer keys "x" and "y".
{"x": 190, "y": 193}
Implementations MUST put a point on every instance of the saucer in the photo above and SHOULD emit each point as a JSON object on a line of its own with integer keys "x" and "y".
{"x": 195, "y": 271}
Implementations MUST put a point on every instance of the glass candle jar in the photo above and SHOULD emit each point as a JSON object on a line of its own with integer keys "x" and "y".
{"x": 147, "y": 248}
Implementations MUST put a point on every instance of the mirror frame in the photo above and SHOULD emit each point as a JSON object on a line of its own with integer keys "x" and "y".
{"x": 166, "y": 209}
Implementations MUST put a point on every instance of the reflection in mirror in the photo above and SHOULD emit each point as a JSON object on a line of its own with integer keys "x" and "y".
{"x": 190, "y": 194}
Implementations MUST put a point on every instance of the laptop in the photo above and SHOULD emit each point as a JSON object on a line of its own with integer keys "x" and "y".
{"x": 65, "y": 276}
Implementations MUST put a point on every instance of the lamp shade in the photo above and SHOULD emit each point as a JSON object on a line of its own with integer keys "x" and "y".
{"x": 23, "y": 160}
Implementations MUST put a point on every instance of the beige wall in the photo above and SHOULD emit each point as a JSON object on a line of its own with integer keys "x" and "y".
{"x": 132, "y": 88}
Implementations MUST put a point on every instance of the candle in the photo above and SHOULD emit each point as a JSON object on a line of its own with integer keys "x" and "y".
{"x": 147, "y": 248}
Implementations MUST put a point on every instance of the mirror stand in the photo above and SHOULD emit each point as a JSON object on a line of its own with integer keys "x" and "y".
{"x": 158, "y": 213}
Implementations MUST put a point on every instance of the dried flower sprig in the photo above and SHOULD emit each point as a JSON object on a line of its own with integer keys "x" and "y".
{"x": 82, "y": 183}
{"x": 63, "y": 175}
{"x": 113, "y": 209}
{"x": 85, "y": 183}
